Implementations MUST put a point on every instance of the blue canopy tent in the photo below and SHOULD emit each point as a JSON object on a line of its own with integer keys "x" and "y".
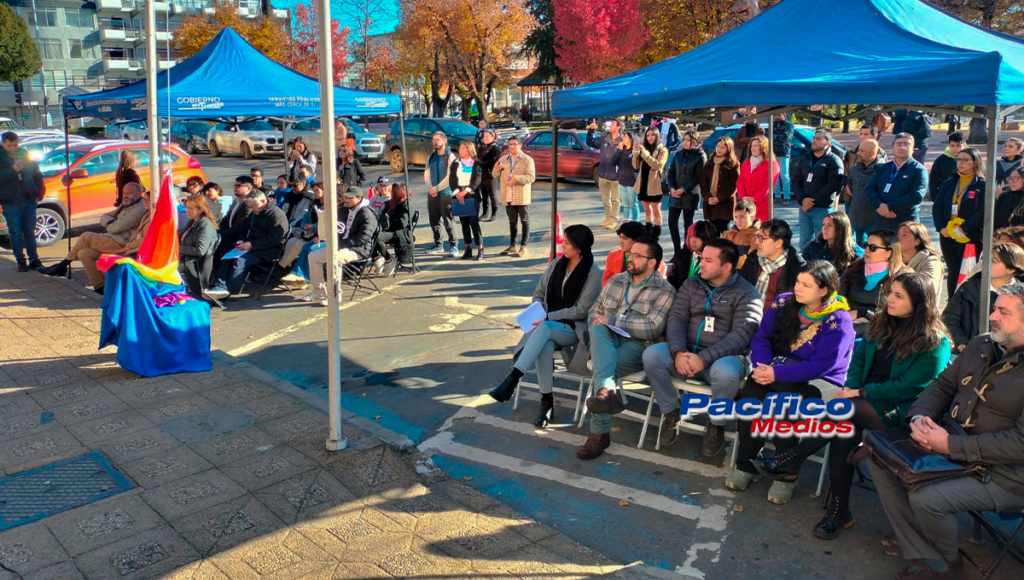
{"x": 805, "y": 52}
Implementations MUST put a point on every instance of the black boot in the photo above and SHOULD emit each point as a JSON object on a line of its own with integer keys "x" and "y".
{"x": 468, "y": 254}
{"x": 781, "y": 467}
{"x": 837, "y": 519}
{"x": 58, "y": 269}
{"x": 507, "y": 388}
{"x": 649, "y": 229}
{"x": 656, "y": 232}
{"x": 547, "y": 410}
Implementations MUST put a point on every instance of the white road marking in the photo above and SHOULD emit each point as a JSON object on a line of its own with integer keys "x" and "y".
{"x": 687, "y": 568}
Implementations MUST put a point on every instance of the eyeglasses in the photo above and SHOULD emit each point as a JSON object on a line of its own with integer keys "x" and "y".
{"x": 964, "y": 160}
{"x": 238, "y": 185}
{"x": 635, "y": 256}
{"x": 1014, "y": 179}
{"x": 761, "y": 237}
{"x": 875, "y": 248}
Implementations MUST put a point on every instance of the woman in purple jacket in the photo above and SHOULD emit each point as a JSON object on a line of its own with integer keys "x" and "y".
{"x": 805, "y": 335}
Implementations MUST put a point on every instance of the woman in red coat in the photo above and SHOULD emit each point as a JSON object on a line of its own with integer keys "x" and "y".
{"x": 753, "y": 182}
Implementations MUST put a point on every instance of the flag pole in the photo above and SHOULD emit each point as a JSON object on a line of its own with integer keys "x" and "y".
{"x": 152, "y": 119}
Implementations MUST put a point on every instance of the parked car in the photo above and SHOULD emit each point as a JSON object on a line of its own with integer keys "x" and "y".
{"x": 8, "y": 124}
{"x": 92, "y": 181}
{"x": 248, "y": 139}
{"x": 190, "y": 135}
{"x": 369, "y": 147}
{"x": 801, "y": 140}
{"x": 576, "y": 159}
{"x": 38, "y": 147}
{"x": 418, "y": 138}
{"x": 505, "y": 127}
{"x": 139, "y": 130}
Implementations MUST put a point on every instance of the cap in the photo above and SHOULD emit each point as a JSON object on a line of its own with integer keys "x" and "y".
{"x": 383, "y": 180}
{"x": 352, "y": 192}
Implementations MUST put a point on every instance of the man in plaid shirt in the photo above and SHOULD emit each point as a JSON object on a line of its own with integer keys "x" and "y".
{"x": 636, "y": 302}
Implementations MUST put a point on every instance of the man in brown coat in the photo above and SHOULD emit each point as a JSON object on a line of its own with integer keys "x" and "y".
{"x": 980, "y": 391}
{"x": 516, "y": 173}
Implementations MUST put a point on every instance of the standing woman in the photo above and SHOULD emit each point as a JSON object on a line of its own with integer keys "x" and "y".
{"x": 718, "y": 184}
{"x": 650, "y": 158}
{"x": 684, "y": 186}
{"x": 1010, "y": 204}
{"x": 753, "y": 181}
{"x": 686, "y": 264}
{"x": 1013, "y": 153}
{"x": 300, "y": 156}
{"x": 197, "y": 244}
{"x": 959, "y": 213}
{"x": 623, "y": 160}
{"x": 835, "y": 242}
{"x": 867, "y": 281}
{"x": 920, "y": 255}
{"x": 125, "y": 174}
{"x": 350, "y": 170}
{"x": 805, "y": 335}
{"x": 488, "y": 156}
{"x": 464, "y": 176}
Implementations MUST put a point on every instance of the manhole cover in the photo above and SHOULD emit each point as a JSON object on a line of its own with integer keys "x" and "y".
{"x": 51, "y": 489}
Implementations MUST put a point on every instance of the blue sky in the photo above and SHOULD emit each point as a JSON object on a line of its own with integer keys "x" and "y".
{"x": 378, "y": 28}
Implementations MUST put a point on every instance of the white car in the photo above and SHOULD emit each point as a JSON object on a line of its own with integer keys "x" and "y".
{"x": 38, "y": 148}
{"x": 369, "y": 147}
{"x": 139, "y": 131}
{"x": 248, "y": 139}
{"x": 8, "y": 124}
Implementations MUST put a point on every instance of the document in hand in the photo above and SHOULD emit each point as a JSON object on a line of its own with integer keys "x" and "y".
{"x": 235, "y": 253}
{"x": 529, "y": 315}
{"x": 618, "y": 330}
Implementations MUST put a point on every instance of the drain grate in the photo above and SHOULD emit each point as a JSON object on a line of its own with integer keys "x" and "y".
{"x": 51, "y": 489}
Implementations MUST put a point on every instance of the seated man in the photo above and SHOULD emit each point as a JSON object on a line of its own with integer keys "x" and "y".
{"x": 297, "y": 205}
{"x": 236, "y": 220}
{"x": 714, "y": 317}
{"x": 356, "y": 226}
{"x": 638, "y": 302}
{"x": 981, "y": 392}
{"x": 257, "y": 181}
{"x": 121, "y": 226}
{"x": 261, "y": 242}
{"x": 615, "y": 263}
{"x": 773, "y": 269}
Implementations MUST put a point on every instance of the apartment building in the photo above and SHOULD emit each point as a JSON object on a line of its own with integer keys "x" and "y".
{"x": 96, "y": 45}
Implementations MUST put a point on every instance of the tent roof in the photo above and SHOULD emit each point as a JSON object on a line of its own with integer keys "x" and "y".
{"x": 804, "y": 52}
{"x": 228, "y": 78}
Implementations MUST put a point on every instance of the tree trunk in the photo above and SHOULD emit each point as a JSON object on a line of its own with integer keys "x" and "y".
{"x": 978, "y": 133}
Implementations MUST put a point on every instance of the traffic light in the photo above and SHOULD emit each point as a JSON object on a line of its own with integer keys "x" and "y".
{"x": 18, "y": 88}
{"x": 17, "y": 98}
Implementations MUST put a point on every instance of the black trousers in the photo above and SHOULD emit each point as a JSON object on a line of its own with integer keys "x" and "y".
{"x": 196, "y": 274}
{"x": 749, "y": 446}
{"x": 516, "y": 214}
{"x": 488, "y": 197}
{"x": 471, "y": 230}
{"x": 953, "y": 253}
{"x": 673, "y": 226}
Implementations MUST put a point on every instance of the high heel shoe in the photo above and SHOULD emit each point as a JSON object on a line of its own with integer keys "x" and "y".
{"x": 505, "y": 390}
{"x": 547, "y": 410}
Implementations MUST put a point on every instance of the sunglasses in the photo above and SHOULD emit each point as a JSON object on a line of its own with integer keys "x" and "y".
{"x": 875, "y": 248}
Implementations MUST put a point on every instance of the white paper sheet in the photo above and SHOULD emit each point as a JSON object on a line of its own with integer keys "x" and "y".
{"x": 531, "y": 314}
{"x": 618, "y": 330}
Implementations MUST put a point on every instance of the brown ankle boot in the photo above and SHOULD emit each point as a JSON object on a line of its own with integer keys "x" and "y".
{"x": 595, "y": 446}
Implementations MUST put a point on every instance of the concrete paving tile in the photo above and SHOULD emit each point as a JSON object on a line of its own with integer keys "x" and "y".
{"x": 26, "y": 424}
{"x": 138, "y": 444}
{"x": 105, "y": 356}
{"x": 63, "y": 571}
{"x": 236, "y": 394}
{"x": 107, "y": 521}
{"x": 373, "y": 471}
{"x": 284, "y": 555}
{"x": 234, "y": 446}
{"x": 265, "y": 468}
{"x": 477, "y": 541}
{"x": 312, "y": 445}
{"x": 205, "y": 421}
{"x": 308, "y": 495}
{"x": 112, "y": 376}
{"x": 36, "y": 365}
{"x": 39, "y": 449}
{"x": 201, "y": 570}
{"x": 227, "y": 525}
{"x": 351, "y": 527}
{"x": 167, "y": 410}
{"x": 69, "y": 387}
{"x": 298, "y": 425}
{"x": 349, "y": 571}
{"x": 17, "y": 402}
{"x": 92, "y": 433}
{"x": 145, "y": 556}
{"x": 208, "y": 381}
{"x": 468, "y": 496}
{"x": 270, "y": 407}
{"x": 527, "y": 527}
{"x": 167, "y": 465}
{"x": 152, "y": 393}
{"x": 89, "y": 409}
{"x": 29, "y": 548}
{"x": 192, "y": 494}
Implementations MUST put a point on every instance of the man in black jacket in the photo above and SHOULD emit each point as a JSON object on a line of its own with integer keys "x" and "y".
{"x": 817, "y": 180}
{"x": 21, "y": 188}
{"x": 356, "y": 225}
{"x": 944, "y": 166}
{"x": 233, "y": 224}
{"x": 261, "y": 242}
{"x": 776, "y": 263}
{"x": 257, "y": 178}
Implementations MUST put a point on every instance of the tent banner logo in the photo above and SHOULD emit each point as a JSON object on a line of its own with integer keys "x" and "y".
{"x": 199, "y": 103}
{"x": 310, "y": 102}
{"x": 371, "y": 102}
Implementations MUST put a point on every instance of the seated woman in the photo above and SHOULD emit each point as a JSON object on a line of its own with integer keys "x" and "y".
{"x": 686, "y": 264}
{"x": 395, "y": 228}
{"x": 962, "y": 311}
{"x": 805, "y": 335}
{"x": 198, "y": 242}
{"x": 920, "y": 255}
{"x": 835, "y": 242}
{"x": 905, "y": 348}
{"x": 629, "y": 233}
{"x": 867, "y": 280}
{"x": 568, "y": 289}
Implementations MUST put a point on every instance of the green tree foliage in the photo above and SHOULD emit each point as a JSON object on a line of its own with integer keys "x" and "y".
{"x": 541, "y": 44}
{"x": 19, "y": 57}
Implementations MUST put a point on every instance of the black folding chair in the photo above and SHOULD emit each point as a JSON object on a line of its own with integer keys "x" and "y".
{"x": 262, "y": 274}
{"x": 357, "y": 271}
{"x": 411, "y": 268}
{"x": 1007, "y": 544}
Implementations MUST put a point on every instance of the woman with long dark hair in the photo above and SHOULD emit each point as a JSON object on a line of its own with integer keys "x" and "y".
{"x": 718, "y": 184}
{"x": 866, "y": 281}
{"x": 919, "y": 254}
{"x": 905, "y": 348}
{"x": 488, "y": 155}
{"x": 649, "y": 159}
{"x": 568, "y": 288}
{"x": 396, "y": 226}
{"x": 805, "y": 335}
{"x": 623, "y": 160}
{"x": 686, "y": 264}
{"x": 959, "y": 213}
{"x": 298, "y": 157}
{"x": 125, "y": 173}
{"x": 198, "y": 241}
{"x": 684, "y": 186}
{"x": 1010, "y": 205}
{"x": 350, "y": 170}
{"x": 464, "y": 176}
{"x": 835, "y": 242}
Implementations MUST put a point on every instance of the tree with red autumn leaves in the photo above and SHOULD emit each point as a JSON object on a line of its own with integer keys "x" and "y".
{"x": 304, "y": 52}
{"x": 597, "y": 39}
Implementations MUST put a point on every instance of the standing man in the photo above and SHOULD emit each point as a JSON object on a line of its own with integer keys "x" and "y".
{"x": 439, "y": 204}
{"x": 607, "y": 173}
{"x": 898, "y": 187}
{"x": 866, "y": 132}
{"x": 862, "y": 211}
{"x": 919, "y": 125}
{"x": 516, "y": 174}
{"x": 944, "y": 166}
{"x": 747, "y": 132}
{"x": 782, "y": 133}
{"x": 714, "y": 317}
{"x": 21, "y": 188}
{"x": 638, "y": 302}
{"x": 817, "y": 180}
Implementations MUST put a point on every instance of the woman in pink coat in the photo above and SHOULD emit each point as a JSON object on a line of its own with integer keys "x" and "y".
{"x": 753, "y": 182}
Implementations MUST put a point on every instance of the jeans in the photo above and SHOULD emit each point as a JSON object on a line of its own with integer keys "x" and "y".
{"x": 516, "y": 214}
{"x": 439, "y": 211}
{"x": 673, "y": 226}
{"x": 21, "y": 224}
{"x": 613, "y": 356}
{"x": 782, "y": 185}
{"x": 609, "y": 198}
{"x": 539, "y": 350}
{"x": 317, "y": 261}
{"x": 725, "y": 376}
{"x": 233, "y": 271}
{"x": 860, "y": 235}
{"x": 810, "y": 224}
{"x": 631, "y": 211}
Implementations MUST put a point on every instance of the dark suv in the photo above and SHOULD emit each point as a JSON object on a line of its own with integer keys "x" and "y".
{"x": 418, "y": 138}
{"x": 801, "y": 140}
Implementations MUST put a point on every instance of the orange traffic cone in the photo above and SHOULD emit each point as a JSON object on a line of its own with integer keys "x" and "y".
{"x": 969, "y": 263}
{"x": 559, "y": 238}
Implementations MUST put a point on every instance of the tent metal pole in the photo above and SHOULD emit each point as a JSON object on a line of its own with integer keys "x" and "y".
{"x": 67, "y": 181}
{"x": 405, "y": 151}
{"x": 152, "y": 119}
{"x": 335, "y": 440}
{"x": 984, "y": 305}
{"x": 554, "y": 187}
{"x": 771, "y": 168}
{"x": 284, "y": 147}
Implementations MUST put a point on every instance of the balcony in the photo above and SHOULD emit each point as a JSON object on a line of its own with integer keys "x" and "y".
{"x": 113, "y": 6}
{"x": 119, "y": 35}
{"x": 121, "y": 65}
{"x": 140, "y": 7}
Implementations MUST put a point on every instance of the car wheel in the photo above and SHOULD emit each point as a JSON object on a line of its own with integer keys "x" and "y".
{"x": 190, "y": 147}
{"x": 595, "y": 177}
{"x": 246, "y": 152}
{"x": 214, "y": 150}
{"x": 49, "y": 226}
{"x": 397, "y": 161}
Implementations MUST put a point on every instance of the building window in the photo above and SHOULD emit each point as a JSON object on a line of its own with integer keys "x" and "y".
{"x": 75, "y": 49}
{"x": 51, "y": 49}
{"x": 74, "y": 17}
{"x": 43, "y": 17}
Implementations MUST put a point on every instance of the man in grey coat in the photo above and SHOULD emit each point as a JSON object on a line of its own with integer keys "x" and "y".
{"x": 714, "y": 317}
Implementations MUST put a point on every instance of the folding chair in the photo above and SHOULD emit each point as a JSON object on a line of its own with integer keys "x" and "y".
{"x": 1007, "y": 544}
{"x": 560, "y": 372}
{"x": 268, "y": 271}
{"x": 702, "y": 388}
{"x": 413, "y": 268}
{"x": 357, "y": 270}
{"x": 629, "y": 386}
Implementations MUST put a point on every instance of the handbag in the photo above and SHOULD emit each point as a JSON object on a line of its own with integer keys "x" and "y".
{"x": 464, "y": 209}
{"x": 903, "y": 458}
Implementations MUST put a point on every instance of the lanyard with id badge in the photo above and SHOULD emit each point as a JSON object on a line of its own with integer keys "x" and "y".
{"x": 958, "y": 196}
{"x": 709, "y": 319}
{"x": 895, "y": 173}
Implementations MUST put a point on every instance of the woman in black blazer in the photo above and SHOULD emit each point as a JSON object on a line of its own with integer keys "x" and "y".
{"x": 965, "y": 224}
{"x": 464, "y": 177}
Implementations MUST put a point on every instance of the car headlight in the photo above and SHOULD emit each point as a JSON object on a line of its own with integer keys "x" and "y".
{"x": 199, "y": 138}
{"x": 259, "y": 139}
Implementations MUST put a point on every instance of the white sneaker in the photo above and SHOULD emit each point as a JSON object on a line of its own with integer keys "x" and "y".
{"x": 313, "y": 297}
{"x": 292, "y": 278}
{"x": 323, "y": 302}
{"x": 378, "y": 264}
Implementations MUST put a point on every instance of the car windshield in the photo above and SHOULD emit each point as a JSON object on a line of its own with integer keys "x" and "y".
{"x": 354, "y": 127}
{"x": 198, "y": 127}
{"x": 54, "y": 163}
{"x": 256, "y": 126}
{"x": 8, "y": 124}
{"x": 457, "y": 129}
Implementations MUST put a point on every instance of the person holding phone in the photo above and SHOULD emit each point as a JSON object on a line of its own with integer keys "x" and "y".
{"x": 649, "y": 159}
{"x": 300, "y": 156}
{"x": 607, "y": 171}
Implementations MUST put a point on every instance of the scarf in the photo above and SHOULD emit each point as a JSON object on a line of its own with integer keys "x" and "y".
{"x": 714, "y": 176}
{"x": 832, "y": 304}
{"x": 875, "y": 273}
{"x": 556, "y": 297}
{"x": 754, "y": 162}
{"x": 768, "y": 267}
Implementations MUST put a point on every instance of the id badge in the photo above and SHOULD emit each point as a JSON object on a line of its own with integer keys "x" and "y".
{"x": 954, "y": 210}
{"x": 810, "y": 177}
{"x": 709, "y": 324}
{"x": 887, "y": 186}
